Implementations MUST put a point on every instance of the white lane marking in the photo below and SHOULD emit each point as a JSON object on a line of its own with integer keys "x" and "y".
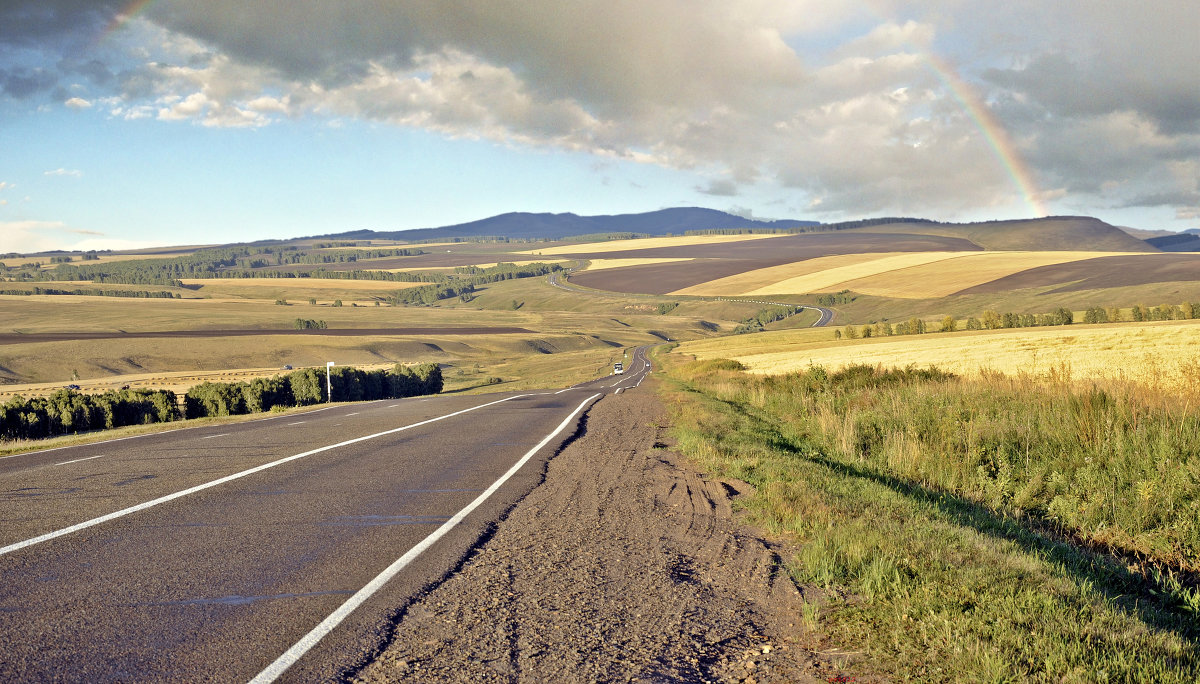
{"x": 228, "y": 478}
{"x": 283, "y": 662}
{"x": 223, "y": 434}
{"x": 299, "y": 422}
{"x": 564, "y": 390}
{"x": 619, "y": 390}
{"x": 78, "y": 460}
{"x": 351, "y": 414}
{"x": 148, "y": 434}
{"x": 76, "y": 446}
{"x": 393, "y": 405}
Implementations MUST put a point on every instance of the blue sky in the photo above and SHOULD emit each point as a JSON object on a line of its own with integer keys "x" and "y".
{"x": 193, "y": 123}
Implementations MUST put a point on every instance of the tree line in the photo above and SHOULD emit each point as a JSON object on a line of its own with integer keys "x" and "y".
{"x": 770, "y": 314}
{"x": 994, "y": 320}
{"x": 137, "y": 294}
{"x": 204, "y": 263}
{"x": 463, "y": 287}
{"x": 68, "y": 411}
{"x": 306, "y": 386}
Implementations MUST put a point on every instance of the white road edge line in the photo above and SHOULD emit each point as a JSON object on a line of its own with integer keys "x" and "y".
{"x": 223, "y": 434}
{"x": 148, "y": 434}
{"x": 228, "y": 478}
{"x": 283, "y": 662}
{"x": 78, "y": 460}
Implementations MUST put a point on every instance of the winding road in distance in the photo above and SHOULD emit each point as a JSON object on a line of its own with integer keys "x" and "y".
{"x": 277, "y": 549}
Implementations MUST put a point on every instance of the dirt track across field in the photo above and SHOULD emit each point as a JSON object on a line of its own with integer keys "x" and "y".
{"x": 625, "y": 564}
{"x": 17, "y": 338}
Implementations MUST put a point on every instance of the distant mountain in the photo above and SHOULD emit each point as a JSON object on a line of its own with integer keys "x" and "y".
{"x": 1187, "y": 241}
{"x": 1054, "y": 233}
{"x": 524, "y": 225}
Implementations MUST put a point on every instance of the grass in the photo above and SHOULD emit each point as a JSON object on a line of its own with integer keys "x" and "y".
{"x": 540, "y": 357}
{"x": 1164, "y": 351}
{"x": 968, "y": 530}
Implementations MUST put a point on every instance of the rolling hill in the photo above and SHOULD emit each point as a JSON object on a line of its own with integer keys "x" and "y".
{"x": 1069, "y": 233}
{"x": 524, "y": 225}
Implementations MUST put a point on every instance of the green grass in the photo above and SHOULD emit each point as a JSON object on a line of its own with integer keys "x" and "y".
{"x": 940, "y": 544}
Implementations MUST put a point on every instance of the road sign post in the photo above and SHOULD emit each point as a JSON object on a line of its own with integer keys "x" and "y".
{"x": 328, "y": 382}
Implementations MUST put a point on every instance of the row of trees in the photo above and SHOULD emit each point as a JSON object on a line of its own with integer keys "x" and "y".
{"x": 68, "y": 411}
{"x": 993, "y": 320}
{"x": 306, "y": 386}
{"x": 137, "y": 294}
{"x": 465, "y": 280}
{"x": 759, "y": 320}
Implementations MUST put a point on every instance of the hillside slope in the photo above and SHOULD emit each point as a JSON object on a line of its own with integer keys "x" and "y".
{"x": 544, "y": 226}
{"x": 1055, "y": 233}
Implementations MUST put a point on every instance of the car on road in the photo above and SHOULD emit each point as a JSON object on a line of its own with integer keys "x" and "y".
{"x": 72, "y": 387}
{"x": 288, "y": 367}
{"x": 618, "y": 368}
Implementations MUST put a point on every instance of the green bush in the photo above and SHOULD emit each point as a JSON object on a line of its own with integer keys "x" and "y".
{"x": 68, "y": 412}
{"x": 306, "y": 386}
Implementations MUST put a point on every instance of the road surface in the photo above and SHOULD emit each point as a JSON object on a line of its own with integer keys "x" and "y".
{"x": 274, "y": 549}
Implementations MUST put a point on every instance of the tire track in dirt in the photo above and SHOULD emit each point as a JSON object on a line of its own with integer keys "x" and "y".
{"x": 625, "y": 564}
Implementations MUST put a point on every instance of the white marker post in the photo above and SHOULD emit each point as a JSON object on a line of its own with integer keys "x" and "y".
{"x": 328, "y": 382}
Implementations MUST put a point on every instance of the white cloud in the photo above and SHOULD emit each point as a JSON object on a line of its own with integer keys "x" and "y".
{"x": 77, "y": 103}
{"x": 836, "y": 99}
{"x": 719, "y": 187}
{"x": 38, "y": 236}
{"x": 64, "y": 172}
{"x": 4, "y": 185}
{"x": 31, "y": 236}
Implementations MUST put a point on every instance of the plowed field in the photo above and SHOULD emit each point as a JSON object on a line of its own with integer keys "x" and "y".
{"x": 715, "y": 261}
{"x": 1092, "y": 274}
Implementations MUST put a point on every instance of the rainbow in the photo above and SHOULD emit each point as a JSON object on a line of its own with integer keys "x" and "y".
{"x": 130, "y": 11}
{"x": 995, "y": 133}
{"x": 967, "y": 97}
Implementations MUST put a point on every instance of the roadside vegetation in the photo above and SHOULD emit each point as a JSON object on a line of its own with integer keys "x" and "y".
{"x": 68, "y": 411}
{"x": 990, "y": 529}
{"x": 307, "y": 386}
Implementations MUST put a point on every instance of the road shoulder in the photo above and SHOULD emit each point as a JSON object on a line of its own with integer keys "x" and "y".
{"x": 625, "y": 564}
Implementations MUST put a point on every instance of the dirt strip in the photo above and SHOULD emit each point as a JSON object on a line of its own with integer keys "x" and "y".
{"x": 624, "y": 565}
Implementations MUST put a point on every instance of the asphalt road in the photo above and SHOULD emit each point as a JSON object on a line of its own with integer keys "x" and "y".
{"x": 210, "y": 553}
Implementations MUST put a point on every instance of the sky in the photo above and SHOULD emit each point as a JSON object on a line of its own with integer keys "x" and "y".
{"x": 167, "y": 122}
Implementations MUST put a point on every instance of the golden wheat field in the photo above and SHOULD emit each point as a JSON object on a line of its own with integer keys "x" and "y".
{"x": 914, "y": 275}
{"x": 1123, "y": 351}
{"x": 812, "y": 275}
{"x": 648, "y": 243}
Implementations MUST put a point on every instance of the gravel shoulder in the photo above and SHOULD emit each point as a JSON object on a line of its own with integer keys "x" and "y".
{"x": 624, "y": 564}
